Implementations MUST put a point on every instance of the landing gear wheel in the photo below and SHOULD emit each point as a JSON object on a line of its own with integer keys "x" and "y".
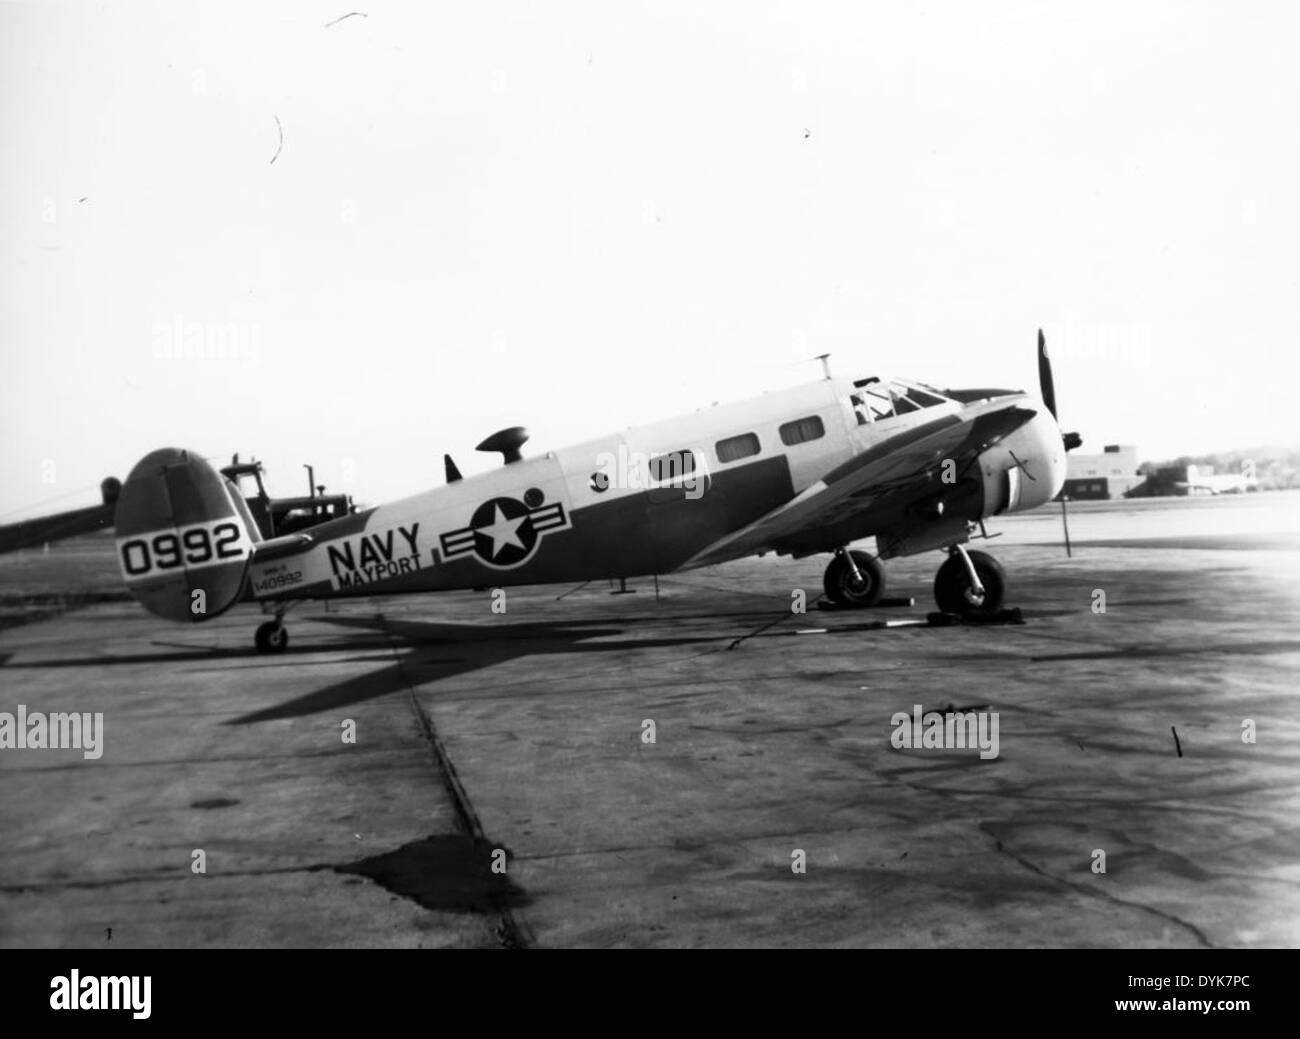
{"x": 271, "y": 637}
{"x": 844, "y": 588}
{"x": 952, "y": 585}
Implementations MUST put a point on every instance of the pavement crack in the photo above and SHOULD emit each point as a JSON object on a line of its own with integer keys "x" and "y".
{"x": 510, "y": 931}
{"x": 1093, "y": 892}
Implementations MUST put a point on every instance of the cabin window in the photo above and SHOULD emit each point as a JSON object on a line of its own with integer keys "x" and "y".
{"x": 801, "y": 430}
{"x": 735, "y": 448}
{"x": 672, "y": 466}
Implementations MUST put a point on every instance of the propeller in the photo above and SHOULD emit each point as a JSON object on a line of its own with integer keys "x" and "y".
{"x": 1047, "y": 389}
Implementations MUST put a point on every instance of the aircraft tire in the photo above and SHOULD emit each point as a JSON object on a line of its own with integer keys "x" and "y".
{"x": 271, "y": 637}
{"x": 841, "y": 587}
{"x": 952, "y": 583}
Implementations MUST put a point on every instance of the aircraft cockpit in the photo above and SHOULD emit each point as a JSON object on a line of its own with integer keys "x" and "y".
{"x": 875, "y": 399}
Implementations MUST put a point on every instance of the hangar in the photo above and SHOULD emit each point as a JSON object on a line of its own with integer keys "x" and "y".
{"x": 1111, "y": 474}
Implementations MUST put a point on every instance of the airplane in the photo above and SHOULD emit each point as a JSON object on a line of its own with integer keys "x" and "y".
{"x": 801, "y": 471}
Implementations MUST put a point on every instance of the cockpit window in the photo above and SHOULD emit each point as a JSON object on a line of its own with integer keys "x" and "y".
{"x": 925, "y": 397}
{"x": 875, "y": 401}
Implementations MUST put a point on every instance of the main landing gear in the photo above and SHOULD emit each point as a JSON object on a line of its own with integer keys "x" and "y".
{"x": 854, "y": 578}
{"x": 969, "y": 583}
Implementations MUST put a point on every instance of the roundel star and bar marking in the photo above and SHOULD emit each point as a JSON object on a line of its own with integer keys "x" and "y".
{"x": 504, "y": 532}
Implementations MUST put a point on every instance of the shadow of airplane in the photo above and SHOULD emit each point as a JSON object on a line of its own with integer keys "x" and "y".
{"x": 416, "y": 652}
{"x": 419, "y": 649}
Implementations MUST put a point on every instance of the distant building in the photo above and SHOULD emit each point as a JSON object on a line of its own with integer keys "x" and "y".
{"x": 1111, "y": 474}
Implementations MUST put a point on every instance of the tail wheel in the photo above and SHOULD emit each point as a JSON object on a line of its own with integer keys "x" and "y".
{"x": 843, "y": 587}
{"x": 271, "y": 637}
{"x": 954, "y": 592}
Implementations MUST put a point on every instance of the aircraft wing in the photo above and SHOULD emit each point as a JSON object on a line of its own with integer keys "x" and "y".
{"x": 33, "y": 532}
{"x": 884, "y": 471}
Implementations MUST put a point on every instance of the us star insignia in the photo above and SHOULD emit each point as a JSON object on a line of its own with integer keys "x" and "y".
{"x": 504, "y": 532}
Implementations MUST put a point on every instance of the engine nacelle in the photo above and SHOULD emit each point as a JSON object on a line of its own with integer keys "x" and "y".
{"x": 923, "y": 537}
{"x": 1025, "y": 469}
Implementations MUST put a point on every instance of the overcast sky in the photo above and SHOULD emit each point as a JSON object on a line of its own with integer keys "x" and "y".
{"x": 580, "y": 217}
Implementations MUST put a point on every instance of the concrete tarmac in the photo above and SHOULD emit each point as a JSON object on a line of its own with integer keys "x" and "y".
{"x": 521, "y": 739}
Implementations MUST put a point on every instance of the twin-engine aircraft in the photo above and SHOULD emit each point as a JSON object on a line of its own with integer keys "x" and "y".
{"x": 797, "y": 472}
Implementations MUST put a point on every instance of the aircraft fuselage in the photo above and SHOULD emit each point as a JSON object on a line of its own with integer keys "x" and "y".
{"x": 641, "y": 502}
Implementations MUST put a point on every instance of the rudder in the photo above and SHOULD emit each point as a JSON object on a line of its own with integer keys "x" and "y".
{"x": 184, "y": 536}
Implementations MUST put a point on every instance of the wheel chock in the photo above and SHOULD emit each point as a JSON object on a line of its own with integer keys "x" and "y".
{"x": 896, "y": 602}
{"x": 944, "y": 620}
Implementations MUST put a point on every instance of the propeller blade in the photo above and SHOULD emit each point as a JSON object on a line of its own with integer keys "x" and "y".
{"x": 1065, "y": 525}
{"x": 1045, "y": 384}
{"x": 1047, "y": 387}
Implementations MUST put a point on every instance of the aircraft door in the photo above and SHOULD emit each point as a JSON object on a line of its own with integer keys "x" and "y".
{"x": 686, "y": 510}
